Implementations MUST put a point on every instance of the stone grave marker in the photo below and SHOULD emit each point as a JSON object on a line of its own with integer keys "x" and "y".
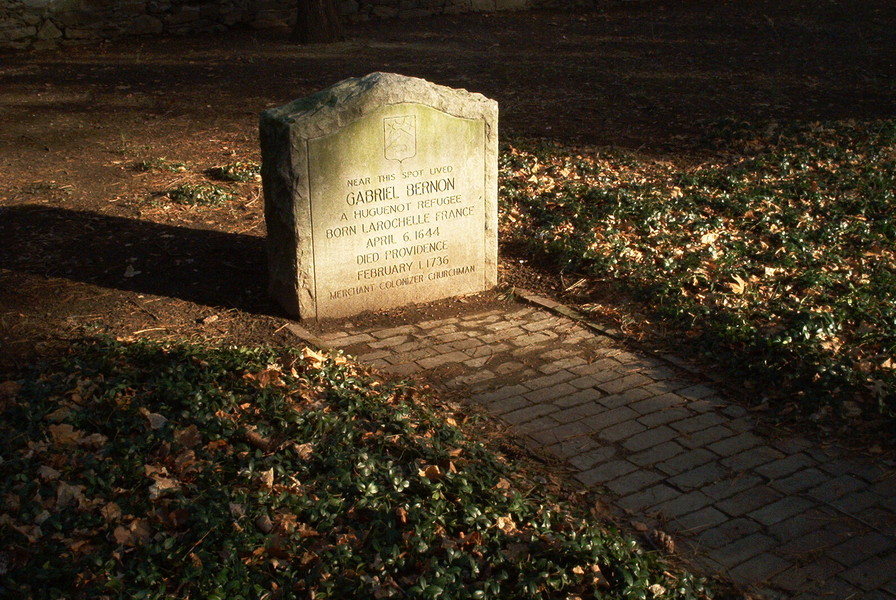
{"x": 380, "y": 191}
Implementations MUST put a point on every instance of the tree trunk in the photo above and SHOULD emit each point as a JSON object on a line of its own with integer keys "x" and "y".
{"x": 317, "y": 21}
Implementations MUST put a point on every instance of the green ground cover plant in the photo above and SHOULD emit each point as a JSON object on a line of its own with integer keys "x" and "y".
{"x": 240, "y": 172}
{"x": 200, "y": 194}
{"x": 146, "y": 470}
{"x": 161, "y": 164}
{"x": 776, "y": 256}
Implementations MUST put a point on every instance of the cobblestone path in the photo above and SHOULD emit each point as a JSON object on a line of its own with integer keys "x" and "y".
{"x": 782, "y": 517}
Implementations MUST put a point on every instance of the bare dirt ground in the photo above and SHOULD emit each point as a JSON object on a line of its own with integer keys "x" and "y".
{"x": 87, "y": 244}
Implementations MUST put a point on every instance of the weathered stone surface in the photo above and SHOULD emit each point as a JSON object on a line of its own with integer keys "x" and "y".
{"x": 186, "y": 14}
{"x": 48, "y": 31}
{"x": 511, "y": 4}
{"x": 483, "y": 5}
{"x": 146, "y": 24}
{"x": 413, "y": 13}
{"x": 74, "y": 18}
{"x": 380, "y": 191}
{"x": 17, "y": 33}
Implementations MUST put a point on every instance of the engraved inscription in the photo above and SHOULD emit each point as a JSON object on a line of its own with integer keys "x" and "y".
{"x": 406, "y": 229}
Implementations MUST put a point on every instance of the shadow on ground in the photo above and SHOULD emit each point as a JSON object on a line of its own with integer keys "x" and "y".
{"x": 207, "y": 267}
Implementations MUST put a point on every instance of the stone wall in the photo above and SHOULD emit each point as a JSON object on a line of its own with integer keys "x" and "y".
{"x": 41, "y": 24}
{"x": 357, "y": 10}
{"x": 48, "y": 23}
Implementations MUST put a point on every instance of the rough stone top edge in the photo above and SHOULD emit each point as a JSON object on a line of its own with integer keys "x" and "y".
{"x": 350, "y": 98}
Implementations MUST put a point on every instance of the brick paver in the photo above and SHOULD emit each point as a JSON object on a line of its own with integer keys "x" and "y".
{"x": 782, "y": 517}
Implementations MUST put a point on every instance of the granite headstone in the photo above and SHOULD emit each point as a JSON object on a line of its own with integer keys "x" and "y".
{"x": 380, "y": 191}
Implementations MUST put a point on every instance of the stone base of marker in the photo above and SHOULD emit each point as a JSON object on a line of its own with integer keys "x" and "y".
{"x": 380, "y": 191}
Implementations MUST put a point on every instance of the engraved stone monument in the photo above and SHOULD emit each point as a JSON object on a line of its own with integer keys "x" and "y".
{"x": 380, "y": 191}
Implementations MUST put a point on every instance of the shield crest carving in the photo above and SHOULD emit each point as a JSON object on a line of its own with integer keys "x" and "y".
{"x": 400, "y": 137}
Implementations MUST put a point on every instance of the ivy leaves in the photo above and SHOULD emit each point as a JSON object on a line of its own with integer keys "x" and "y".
{"x": 151, "y": 471}
{"x": 779, "y": 253}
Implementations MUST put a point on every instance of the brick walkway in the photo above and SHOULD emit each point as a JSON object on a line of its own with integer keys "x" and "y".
{"x": 783, "y": 517}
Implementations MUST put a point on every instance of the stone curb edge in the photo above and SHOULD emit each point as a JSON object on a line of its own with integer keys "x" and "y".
{"x": 610, "y": 332}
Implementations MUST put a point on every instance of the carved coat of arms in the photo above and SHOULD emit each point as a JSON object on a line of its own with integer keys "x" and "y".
{"x": 400, "y": 137}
